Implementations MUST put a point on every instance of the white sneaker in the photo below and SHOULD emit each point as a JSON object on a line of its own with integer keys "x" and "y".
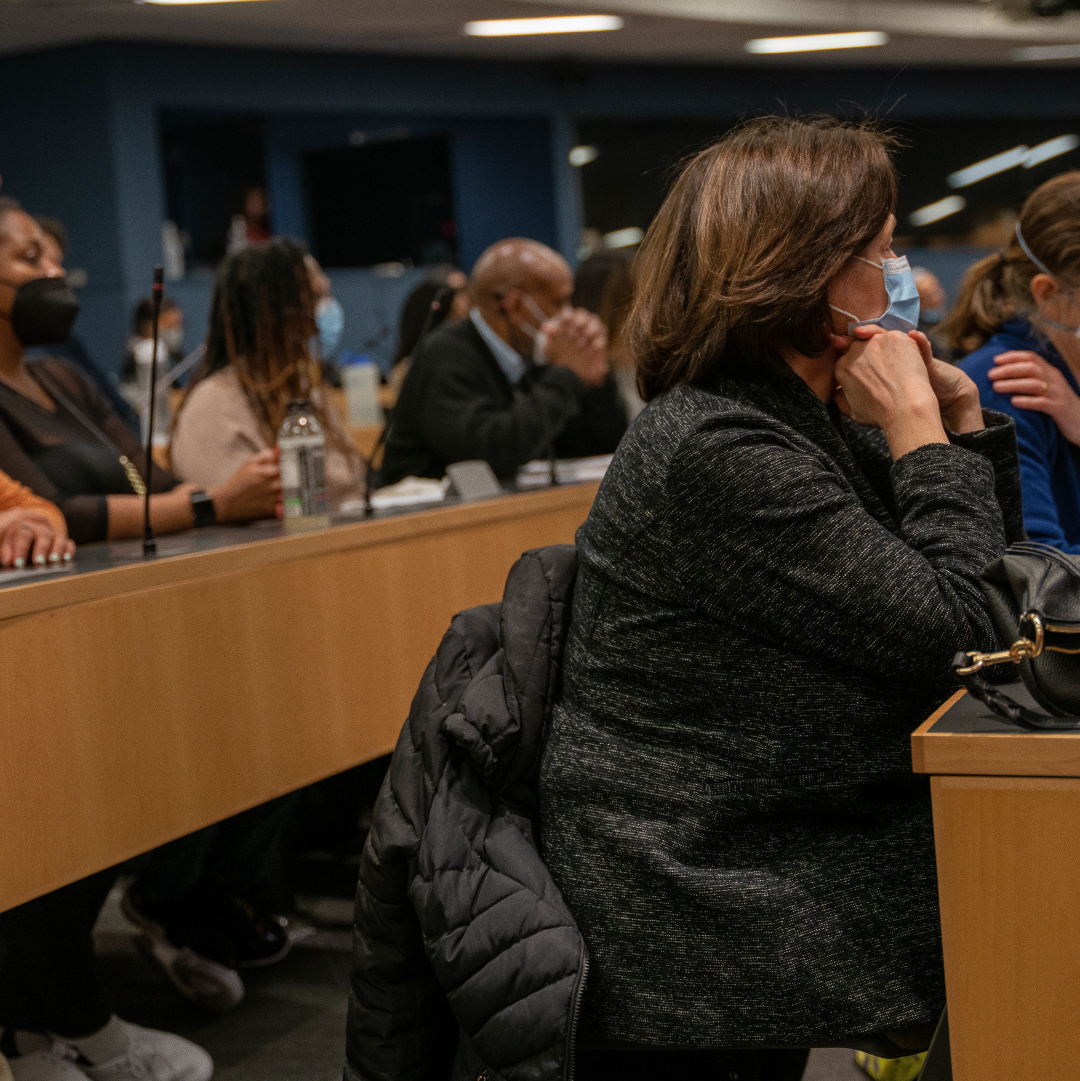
{"x": 207, "y": 983}
{"x": 55, "y": 1063}
{"x": 153, "y": 1056}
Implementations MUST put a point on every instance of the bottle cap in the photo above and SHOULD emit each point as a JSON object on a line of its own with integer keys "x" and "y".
{"x": 298, "y": 405}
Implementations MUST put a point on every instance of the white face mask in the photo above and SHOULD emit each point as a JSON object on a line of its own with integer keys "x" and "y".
{"x": 1075, "y": 331}
{"x": 539, "y": 338}
{"x": 172, "y": 338}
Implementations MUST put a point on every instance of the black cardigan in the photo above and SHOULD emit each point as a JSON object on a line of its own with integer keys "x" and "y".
{"x": 78, "y": 479}
{"x": 766, "y": 609}
{"x": 456, "y": 405}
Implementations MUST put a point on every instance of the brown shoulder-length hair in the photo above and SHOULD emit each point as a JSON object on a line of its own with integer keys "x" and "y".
{"x": 735, "y": 268}
{"x": 998, "y": 288}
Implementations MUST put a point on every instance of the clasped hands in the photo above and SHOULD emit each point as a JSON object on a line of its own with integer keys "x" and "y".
{"x": 578, "y": 340}
{"x": 892, "y": 381}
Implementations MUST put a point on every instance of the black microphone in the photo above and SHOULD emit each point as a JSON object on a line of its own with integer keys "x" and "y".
{"x": 149, "y": 545}
{"x": 440, "y": 307}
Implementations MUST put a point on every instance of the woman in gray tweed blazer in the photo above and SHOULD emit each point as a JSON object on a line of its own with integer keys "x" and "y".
{"x": 778, "y": 568}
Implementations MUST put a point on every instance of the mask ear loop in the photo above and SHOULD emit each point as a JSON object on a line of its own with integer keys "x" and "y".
{"x": 851, "y": 315}
{"x": 1075, "y": 331}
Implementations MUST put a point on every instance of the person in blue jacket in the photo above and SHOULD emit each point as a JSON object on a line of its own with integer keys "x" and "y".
{"x": 1018, "y": 319}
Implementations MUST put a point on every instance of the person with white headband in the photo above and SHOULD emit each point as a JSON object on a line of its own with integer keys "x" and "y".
{"x": 1018, "y": 321}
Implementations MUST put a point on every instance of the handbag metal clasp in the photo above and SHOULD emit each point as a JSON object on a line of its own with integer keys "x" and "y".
{"x": 1023, "y": 649}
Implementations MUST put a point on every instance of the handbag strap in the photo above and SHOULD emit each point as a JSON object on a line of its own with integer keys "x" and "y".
{"x": 1004, "y": 706}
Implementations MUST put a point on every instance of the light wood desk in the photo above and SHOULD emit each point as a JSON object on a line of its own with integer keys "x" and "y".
{"x": 1007, "y": 832}
{"x": 148, "y": 699}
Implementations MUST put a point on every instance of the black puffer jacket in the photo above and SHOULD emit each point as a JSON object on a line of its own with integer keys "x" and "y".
{"x": 462, "y": 939}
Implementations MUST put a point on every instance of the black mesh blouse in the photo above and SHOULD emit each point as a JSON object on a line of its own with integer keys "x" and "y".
{"x": 61, "y": 457}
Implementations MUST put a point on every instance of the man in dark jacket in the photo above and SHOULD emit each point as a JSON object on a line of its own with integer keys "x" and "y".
{"x": 524, "y": 377}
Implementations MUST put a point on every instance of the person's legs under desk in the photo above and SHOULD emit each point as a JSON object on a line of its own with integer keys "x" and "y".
{"x": 48, "y": 973}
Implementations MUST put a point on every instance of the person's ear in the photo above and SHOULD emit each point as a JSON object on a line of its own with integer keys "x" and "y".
{"x": 1043, "y": 289}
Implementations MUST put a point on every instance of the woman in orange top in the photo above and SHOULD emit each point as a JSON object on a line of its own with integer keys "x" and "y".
{"x": 32, "y": 530}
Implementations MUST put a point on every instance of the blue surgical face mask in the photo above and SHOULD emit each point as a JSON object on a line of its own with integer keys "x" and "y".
{"x": 903, "y": 310}
{"x": 330, "y": 320}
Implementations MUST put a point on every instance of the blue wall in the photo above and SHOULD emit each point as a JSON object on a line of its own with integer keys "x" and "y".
{"x": 79, "y": 139}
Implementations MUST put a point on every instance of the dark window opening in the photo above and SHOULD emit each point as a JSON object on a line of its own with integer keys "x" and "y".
{"x": 210, "y": 164}
{"x": 384, "y": 202}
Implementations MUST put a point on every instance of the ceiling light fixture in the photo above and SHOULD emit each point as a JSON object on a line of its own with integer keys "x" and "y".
{"x": 809, "y": 43}
{"x": 582, "y": 155}
{"x": 194, "y": 1}
{"x": 951, "y": 204}
{"x": 1050, "y": 149}
{"x": 556, "y": 24}
{"x": 1048, "y": 52}
{"x": 999, "y": 163}
{"x": 624, "y": 238}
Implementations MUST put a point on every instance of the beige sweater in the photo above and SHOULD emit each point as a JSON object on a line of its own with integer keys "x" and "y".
{"x": 216, "y": 432}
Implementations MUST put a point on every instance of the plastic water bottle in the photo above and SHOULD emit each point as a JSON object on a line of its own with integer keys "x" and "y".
{"x": 360, "y": 379}
{"x": 303, "y": 470}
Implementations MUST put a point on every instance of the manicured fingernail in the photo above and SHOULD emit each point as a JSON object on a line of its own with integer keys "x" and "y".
{"x": 67, "y": 557}
{"x": 54, "y": 557}
{"x": 20, "y": 563}
{"x": 39, "y": 560}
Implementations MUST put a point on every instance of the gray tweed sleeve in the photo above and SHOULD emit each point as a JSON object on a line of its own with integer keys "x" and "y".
{"x": 768, "y": 536}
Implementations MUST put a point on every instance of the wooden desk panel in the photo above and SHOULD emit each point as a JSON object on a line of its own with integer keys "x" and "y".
{"x": 1017, "y": 753}
{"x": 1008, "y": 850}
{"x": 147, "y": 701}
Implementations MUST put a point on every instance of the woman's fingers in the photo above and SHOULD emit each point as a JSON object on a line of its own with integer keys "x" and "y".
{"x": 1015, "y": 371}
{"x": 1034, "y": 387}
{"x": 22, "y": 540}
{"x": 1037, "y": 404}
{"x": 1014, "y": 355}
{"x": 925, "y": 348}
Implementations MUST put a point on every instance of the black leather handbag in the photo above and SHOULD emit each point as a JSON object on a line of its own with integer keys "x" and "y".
{"x": 1034, "y": 596}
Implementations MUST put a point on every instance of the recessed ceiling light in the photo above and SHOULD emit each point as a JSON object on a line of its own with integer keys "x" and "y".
{"x": 999, "y": 163}
{"x": 809, "y": 43}
{"x": 951, "y": 204}
{"x": 194, "y": 1}
{"x": 556, "y": 24}
{"x": 582, "y": 155}
{"x": 1048, "y": 52}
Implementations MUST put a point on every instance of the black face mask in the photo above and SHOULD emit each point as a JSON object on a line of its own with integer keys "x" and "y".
{"x": 43, "y": 312}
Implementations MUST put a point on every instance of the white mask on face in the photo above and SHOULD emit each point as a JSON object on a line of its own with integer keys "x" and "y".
{"x": 173, "y": 339}
{"x": 539, "y": 338}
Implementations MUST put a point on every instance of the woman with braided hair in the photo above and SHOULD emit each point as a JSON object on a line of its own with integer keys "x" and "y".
{"x": 259, "y": 355}
{"x": 1018, "y": 319}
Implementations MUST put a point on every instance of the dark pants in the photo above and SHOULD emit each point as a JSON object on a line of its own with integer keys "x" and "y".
{"x": 48, "y": 976}
{"x": 238, "y": 852}
{"x": 657, "y": 1065}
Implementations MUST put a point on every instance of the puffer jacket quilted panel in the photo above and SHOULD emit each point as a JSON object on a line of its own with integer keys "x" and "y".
{"x": 463, "y": 942}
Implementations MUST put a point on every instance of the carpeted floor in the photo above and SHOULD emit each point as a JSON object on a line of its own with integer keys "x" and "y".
{"x": 291, "y": 1026}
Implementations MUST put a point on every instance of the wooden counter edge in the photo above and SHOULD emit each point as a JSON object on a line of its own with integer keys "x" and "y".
{"x": 42, "y": 596}
{"x": 992, "y": 754}
{"x": 918, "y": 757}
